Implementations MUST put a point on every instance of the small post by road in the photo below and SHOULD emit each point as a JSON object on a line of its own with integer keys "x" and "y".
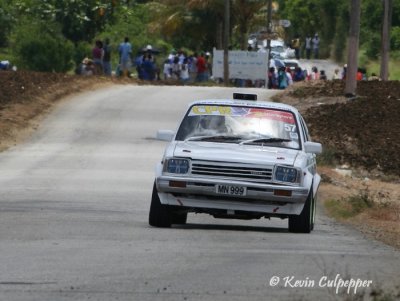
{"x": 226, "y": 43}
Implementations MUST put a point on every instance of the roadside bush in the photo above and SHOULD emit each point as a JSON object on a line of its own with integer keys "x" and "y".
{"x": 328, "y": 157}
{"x": 41, "y": 47}
{"x": 82, "y": 50}
{"x": 395, "y": 38}
{"x": 6, "y": 22}
{"x": 373, "y": 46}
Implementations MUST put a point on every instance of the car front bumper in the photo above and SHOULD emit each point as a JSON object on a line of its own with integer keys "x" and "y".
{"x": 202, "y": 193}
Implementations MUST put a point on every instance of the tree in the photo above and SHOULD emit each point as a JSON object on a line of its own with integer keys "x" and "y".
{"x": 226, "y": 42}
{"x": 80, "y": 20}
{"x": 6, "y": 22}
{"x": 245, "y": 13}
{"x": 41, "y": 47}
{"x": 387, "y": 20}
{"x": 308, "y": 17}
{"x": 199, "y": 24}
{"x": 195, "y": 24}
{"x": 352, "y": 59}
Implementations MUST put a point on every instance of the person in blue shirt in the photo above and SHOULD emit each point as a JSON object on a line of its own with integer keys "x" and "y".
{"x": 125, "y": 56}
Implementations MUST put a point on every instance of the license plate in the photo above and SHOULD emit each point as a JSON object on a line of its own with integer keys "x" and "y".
{"x": 231, "y": 190}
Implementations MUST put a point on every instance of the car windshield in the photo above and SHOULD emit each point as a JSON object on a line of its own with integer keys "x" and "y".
{"x": 242, "y": 125}
{"x": 278, "y": 49}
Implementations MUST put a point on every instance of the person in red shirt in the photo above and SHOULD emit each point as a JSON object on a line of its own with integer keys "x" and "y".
{"x": 201, "y": 68}
{"x": 97, "y": 53}
{"x": 359, "y": 75}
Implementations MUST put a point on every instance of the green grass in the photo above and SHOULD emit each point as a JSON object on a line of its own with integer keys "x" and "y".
{"x": 327, "y": 157}
{"x": 6, "y": 55}
{"x": 374, "y": 66}
{"x": 351, "y": 206}
{"x": 394, "y": 69}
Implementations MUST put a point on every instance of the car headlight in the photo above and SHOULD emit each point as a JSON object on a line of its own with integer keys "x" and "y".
{"x": 178, "y": 166}
{"x": 287, "y": 174}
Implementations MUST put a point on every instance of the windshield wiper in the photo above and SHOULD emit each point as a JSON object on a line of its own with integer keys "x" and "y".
{"x": 216, "y": 138}
{"x": 265, "y": 140}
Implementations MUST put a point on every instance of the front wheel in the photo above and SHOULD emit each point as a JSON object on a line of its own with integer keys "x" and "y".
{"x": 179, "y": 218}
{"x": 304, "y": 223}
{"x": 159, "y": 215}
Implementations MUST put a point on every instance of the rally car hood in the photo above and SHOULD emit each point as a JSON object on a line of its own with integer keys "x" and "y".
{"x": 229, "y": 152}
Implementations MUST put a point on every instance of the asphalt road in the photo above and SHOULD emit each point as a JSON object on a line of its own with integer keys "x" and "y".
{"x": 74, "y": 203}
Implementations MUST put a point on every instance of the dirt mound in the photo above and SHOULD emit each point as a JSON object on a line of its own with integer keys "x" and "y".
{"x": 362, "y": 133}
{"x": 23, "y": 86}
{"x": 24, "y": 96}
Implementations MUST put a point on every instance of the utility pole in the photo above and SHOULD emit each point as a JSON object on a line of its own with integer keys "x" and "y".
{"x": 353, "y": 40}
{"x": 226, "y": 42}
{"x": 387, "y": 20}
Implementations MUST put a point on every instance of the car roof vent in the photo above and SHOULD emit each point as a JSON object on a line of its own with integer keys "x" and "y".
{"x": 242, "y": 96}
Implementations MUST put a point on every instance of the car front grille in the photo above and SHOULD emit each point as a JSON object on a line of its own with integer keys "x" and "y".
{"x": 234, "y": 171}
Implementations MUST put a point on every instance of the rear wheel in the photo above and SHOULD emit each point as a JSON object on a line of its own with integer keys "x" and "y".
{"x": 314, "y": 211}
{"x": 159, "y": 215}
{"x": 304, "y": 223}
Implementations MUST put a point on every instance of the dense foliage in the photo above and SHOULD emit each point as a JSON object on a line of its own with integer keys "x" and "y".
{"x": 190, "y": 24}
{"x": 330, "y": 18}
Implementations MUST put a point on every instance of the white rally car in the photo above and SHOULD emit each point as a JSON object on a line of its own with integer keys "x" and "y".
{"x": 238, "y": 159}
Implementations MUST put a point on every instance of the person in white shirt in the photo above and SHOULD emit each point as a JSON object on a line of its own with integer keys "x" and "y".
{"x": 289, "y": 76}
{"x": 167, "y": 69}
{"x": 184, "y": 70}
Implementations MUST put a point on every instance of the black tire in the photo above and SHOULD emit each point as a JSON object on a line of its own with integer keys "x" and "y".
{"x": 179, "y": 218}
{"x": 159, "y": 215}
{"x": 303, "y": 223}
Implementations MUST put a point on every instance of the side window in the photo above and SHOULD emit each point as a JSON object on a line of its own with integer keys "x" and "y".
{"x": 304, "y": 129}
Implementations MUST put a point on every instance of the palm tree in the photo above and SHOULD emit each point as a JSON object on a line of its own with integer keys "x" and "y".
{"x": 247, "y": 14}
{"x": 203, "y": 20}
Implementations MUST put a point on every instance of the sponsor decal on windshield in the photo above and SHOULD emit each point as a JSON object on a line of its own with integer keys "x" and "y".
{"x": 277, "y": 115}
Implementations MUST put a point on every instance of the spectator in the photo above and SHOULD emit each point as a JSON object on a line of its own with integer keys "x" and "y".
{"x": 359, "y": 75}
{"x": 147, "y": 68}
{"x": 364, "y": 73}
{"x": 289, "y": 76}
{"x": 107, "y": 58}
{"x": 272, "y": 79}
{"x": 336, "y": 74}
{"x": 296, "y": 46}
{"x": 175, "y": 68}
{"x": 209, "y": 66}
{"x": 308, "y": 47}
{"x": 373, "y": 77}
{"x": 315, "y": 42}
{"x": 282, "y": 78}
{"x": 5, "y": 65}
{"x": 167, "y": 69}
{"x": 193, "y": 67}
{"x": 138, "y": 63}
{"x": 125, "y": 56}
{"x": 201, "y": 68}
{"x": 184, "y": 71}
{"x": 87, "y": 67}
{"x": 97, "y": 55}
{"x": 344, "y": 71}
{"x": 314, "y": 73}
{"x": 322, "y": 75}
{"x": 298, "y": 75}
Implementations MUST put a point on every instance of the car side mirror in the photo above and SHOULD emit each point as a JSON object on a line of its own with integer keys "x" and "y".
{"x": 165, "y": 135}
{"x": 313, "y": 147}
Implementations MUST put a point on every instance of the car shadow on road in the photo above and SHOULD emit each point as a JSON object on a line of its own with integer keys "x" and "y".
{"x": 230, "y": 228}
